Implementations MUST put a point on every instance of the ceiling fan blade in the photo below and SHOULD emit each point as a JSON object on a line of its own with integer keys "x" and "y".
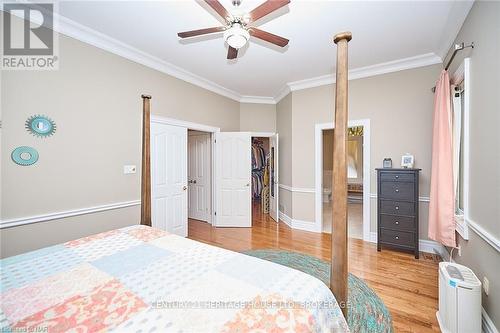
{"x": 232, "y": 53}
{"x": 199, "y": 32}
{"x": 219, "y": 8}
{"x": 268, "y": 37}
{"x": 266, "y": 8}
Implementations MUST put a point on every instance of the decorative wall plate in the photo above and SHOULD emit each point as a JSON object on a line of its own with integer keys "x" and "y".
{"x": 41, "y": 126}
{"x": 24, "y": 155}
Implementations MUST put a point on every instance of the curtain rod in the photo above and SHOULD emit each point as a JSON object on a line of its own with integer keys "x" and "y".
{"x": 458, "y": 47}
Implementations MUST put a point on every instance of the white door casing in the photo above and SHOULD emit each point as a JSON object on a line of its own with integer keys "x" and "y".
{"x": 169, "y": 178}
{"x": 274, "y": 181}
{"x": 233, "y": 179}
{"x": 199, "y": 176}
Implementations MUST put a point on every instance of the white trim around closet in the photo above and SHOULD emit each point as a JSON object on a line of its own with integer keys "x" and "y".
{"x": 318, "y": 152}
{"x": 202, "y": 128}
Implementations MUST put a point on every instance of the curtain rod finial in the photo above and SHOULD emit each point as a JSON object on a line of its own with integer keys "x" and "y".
{"x": 342, "y": 35}
{"x": 146, "y": 96}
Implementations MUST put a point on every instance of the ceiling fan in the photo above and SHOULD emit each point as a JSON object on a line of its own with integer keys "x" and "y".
{"x": 237, "y": 30}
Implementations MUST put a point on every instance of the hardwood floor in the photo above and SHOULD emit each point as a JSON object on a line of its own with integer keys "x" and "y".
{"x": 408, "y": 287}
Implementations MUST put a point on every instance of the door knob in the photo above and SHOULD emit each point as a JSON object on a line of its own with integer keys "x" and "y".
{"x": 184, "y": 187}
{"x": 190, "y": 181}
{"x": 194, "y": 181}
{"x": 248, "y": 184}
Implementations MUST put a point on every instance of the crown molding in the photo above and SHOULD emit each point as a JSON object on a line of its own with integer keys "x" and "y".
{"x": 90, "y": 36}
{"x": 285, "y": 90}
{"x": 367, "y": 71}
{"x": 87, "y": 35}
{"x": 257, "y": 99}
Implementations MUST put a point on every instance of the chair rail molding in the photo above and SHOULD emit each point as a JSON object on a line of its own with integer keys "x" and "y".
{"x": 296, "y": 189}
{"x": 484, "y": 234}
{"x": 67, "y": 213}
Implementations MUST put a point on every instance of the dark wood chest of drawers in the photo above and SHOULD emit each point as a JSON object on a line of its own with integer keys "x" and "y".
{"x": 397, "y": 209}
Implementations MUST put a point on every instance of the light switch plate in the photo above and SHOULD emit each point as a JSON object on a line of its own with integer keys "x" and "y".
{"x": 128, "y": 169}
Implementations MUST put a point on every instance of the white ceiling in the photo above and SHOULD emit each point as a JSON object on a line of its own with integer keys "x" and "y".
{"x": 382, "y": 32}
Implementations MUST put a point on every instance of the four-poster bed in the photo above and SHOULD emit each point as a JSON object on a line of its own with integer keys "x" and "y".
{"x": 141, "y": 278}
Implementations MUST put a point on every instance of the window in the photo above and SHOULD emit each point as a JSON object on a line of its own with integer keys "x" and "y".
{"x": 458, "y": 146}
{"x": 460, "y": 119}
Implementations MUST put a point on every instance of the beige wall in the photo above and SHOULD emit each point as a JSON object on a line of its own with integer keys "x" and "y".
{"x": 399, "y": 106}
{"x": 257, "y": 117}
{"x": 95, "y": 100}
{"x": 482, "y": 27}
{"x": 284, "y": 128}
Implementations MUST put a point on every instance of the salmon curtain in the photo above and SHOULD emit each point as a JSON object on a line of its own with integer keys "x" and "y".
{"x": 442, "y": 196}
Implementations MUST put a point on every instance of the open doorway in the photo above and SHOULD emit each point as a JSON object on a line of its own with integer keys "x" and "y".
{"x": 199, "y": 175}
{"x": 261, "y": 189}
{"x": 358, "y": 178}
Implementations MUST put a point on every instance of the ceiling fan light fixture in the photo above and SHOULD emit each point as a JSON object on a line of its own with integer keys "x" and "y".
{"x": 236, "y": 36}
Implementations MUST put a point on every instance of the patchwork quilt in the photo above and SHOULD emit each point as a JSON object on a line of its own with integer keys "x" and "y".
{"x": 141, "y": 279}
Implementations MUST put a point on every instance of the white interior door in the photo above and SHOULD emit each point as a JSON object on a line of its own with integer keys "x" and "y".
{"x": 233, "y": 179}
{"x": 169, "y": 178}
{"x": 274, "y": 179}
{"x": 199, "y": 189}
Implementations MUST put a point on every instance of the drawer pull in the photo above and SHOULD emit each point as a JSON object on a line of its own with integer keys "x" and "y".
{"x": 397, "y": 222}
{"x": 397, "y": 237}
{"x": 397, "y": 177}
{"x": 397, "y": 190}
{"x": 397, "y": 207}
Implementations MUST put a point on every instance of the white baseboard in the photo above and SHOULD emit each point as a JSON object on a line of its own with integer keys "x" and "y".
{"x": 427, "y": 246}
{"x": 298, "y": 224}
{"x": 487, "y": 323}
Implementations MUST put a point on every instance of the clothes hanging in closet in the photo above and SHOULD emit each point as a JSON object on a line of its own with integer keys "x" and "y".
{"x": 258, "y": 157}
{"x": 258, "y": 169}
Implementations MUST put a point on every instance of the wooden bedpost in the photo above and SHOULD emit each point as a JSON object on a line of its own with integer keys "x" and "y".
{"x": 146, "y": 162}
{"x": 339, "y": 270}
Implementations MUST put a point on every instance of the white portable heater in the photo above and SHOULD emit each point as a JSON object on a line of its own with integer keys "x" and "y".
{"x": 459, "y": 299}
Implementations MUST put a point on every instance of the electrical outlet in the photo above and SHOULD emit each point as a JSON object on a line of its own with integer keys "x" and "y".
{"x": 486, "y": 285}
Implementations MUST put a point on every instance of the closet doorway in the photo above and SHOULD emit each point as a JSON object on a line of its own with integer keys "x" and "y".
{"x": 199, "y": 175}
{"x": 182, "y": 173}
{"x": 264, "y": 176}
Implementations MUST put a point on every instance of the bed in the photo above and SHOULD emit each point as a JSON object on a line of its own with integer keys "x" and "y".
{"x": 141, "y": 279}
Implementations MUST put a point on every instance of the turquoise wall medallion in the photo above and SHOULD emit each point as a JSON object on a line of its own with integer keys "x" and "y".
{"x": 41, "y": 126}
{"x": 24, "y": 155}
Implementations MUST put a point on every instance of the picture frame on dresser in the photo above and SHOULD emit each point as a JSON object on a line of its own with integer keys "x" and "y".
{"x": 397, "y": 209}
